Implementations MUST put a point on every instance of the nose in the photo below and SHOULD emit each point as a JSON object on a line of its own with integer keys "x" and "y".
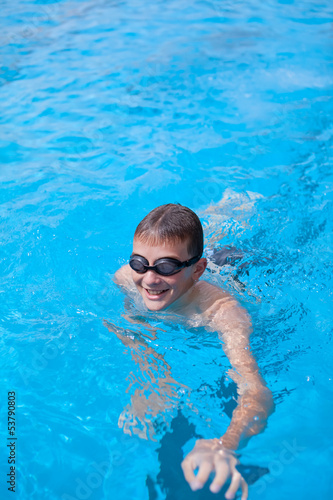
{"x": 152, "y": 278}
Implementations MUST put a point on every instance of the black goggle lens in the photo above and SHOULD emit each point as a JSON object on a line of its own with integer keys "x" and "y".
{"x": 137, "y": 265}
{"x": 165, "y": 267}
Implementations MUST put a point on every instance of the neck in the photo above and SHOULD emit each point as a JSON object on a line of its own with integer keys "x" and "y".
{"x": 182, "y": 302}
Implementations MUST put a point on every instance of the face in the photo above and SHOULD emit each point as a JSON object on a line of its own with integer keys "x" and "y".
{"x": 158, "y": 291}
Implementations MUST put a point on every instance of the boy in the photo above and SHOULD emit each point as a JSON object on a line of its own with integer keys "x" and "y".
{"x": 165, "y": 267}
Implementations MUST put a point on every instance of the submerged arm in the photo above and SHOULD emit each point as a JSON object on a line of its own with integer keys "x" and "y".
{"x": 255, "y": 403}
{"x": 154, "y": 391}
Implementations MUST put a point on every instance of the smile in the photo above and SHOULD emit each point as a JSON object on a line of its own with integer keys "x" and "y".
{"x": 154, "y": 294}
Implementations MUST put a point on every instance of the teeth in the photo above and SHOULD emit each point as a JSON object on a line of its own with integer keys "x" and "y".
{"x": 155, "y": 292}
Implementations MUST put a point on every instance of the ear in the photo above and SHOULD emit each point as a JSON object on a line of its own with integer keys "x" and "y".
{"x": 199, "y": 268}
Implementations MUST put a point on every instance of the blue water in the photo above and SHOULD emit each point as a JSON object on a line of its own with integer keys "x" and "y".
{"x": 108, "y": 109}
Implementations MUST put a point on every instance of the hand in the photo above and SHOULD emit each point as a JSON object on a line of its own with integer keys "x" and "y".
{"x": 139, "y": 416}
{"x": 113, "y": 328}
{"x": 208, "y": 455}
{"x": 126, "y": 336}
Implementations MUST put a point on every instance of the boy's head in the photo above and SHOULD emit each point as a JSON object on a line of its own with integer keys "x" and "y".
{"x": 167, "y": 232}
{"x": 169, "y": 224}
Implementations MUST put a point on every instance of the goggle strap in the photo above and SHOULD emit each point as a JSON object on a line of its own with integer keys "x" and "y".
{"x": 192, "y": 261}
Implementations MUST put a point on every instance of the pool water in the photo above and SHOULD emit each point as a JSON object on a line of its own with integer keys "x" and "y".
{"x": 108, "y": 109}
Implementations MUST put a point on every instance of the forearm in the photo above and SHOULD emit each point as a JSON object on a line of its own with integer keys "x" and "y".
{"x": 255, "y": 402}
{"x": 249, "y": 418}
{"x": 153, "y": 388}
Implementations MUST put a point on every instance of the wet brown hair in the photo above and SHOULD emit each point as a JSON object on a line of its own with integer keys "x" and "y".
{"x": 169, "y": 223}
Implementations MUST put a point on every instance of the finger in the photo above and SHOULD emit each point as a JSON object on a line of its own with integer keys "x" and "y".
{"x": 202, "y": 476}
{"x": 188, "y": 468}
{"x": 110, "y": 326}
{"x": 142, "y": 433}
{"x": 245, "y": 489}
{"x": 221, "y": 476}
{"x": 234, "y": 486}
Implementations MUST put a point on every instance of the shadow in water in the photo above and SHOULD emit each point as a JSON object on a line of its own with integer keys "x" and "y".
{"x": 170, "y": 480}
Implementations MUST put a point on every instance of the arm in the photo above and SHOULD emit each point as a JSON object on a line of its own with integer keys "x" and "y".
{"x": 255, "y": 401}
{"x": 154, "y": 392}
{"x": 254, "y": 404}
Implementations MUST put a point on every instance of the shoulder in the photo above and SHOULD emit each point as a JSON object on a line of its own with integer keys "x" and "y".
{"x": 207, "y": 295}
{"x": 218, "y": 305}
{"x": 123, "y": 277}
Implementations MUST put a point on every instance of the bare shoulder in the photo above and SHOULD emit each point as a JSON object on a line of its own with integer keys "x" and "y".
{"x": 220, "y": 308}
{"x": 123, "y": 277}
{"x": 208, "y": 295}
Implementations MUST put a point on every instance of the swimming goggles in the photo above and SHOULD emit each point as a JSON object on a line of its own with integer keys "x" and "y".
{"x": 165, "y": 267}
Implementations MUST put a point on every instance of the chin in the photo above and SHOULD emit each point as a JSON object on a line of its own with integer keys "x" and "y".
{"x": 155, "y": 306}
